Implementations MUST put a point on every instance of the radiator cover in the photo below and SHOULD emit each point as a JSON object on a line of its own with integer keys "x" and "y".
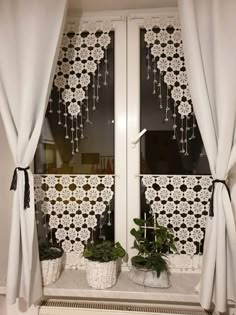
{"x": 76, "y": 307}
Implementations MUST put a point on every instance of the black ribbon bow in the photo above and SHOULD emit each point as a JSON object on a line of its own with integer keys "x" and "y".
{"x": 27, "y": 186}
{"x": 211, "y": 212}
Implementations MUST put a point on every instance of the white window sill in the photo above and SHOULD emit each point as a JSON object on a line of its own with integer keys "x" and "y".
{"x": 73, "y": 284}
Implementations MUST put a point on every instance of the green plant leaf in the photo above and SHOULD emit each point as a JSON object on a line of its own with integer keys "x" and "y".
{"x": 104, "y": 251}
{"x": 153, "y": 248}
{"x": 139, "y": 222}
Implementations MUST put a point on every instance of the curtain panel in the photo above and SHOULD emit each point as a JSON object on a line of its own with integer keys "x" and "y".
{"x": 210, "y": 55}
{"x": 30, "y": 33}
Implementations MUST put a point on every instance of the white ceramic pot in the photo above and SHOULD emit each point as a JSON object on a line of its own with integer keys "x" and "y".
{"x": 149, "y": 278}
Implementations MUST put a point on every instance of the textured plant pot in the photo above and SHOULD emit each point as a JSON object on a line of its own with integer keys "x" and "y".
{"x": 101, "y": 275}
{"x": 149, "y": 278}
{"x": 51, "y": 270}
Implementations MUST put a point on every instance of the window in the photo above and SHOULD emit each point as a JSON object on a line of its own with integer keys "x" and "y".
{"x": 115, "y": 176}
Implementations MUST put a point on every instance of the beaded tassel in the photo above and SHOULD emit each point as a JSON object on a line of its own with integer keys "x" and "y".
{"x": 106, "y": 68}
{"x": 148, "y": 62}
{"x": 59, "y": 108}
{"x": 94, "y": 92}
{"x": 182, "y": 135}
{"x": 72, "y": 135}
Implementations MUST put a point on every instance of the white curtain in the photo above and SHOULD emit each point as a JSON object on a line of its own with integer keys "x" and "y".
{"x": 30, "y": 34}
{"x": 208, "y": 28}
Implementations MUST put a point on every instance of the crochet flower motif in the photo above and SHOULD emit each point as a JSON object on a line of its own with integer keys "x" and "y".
{"x": 156, "y": 50}
{"x": 67, "y": 95}
{"x": 85, "y": 207}
{"x": 79, "y": 94}
{"x": 99, "y": 207}
{"x": 104, "y": 40}
{"x": 148, "y": 181}
{"x": 84, "y": 234}
{"x": 80, "y": 180}
{"x": 108, "y": 181}
{"x": 59, "y": 207}
{"x": 156, "y": 206}
{"x": 65, "y": 180}
{"x": 78, "y": 247}
{"x": 79, "y": 193}
{"x": 93, "y": 194}
{"x": 73, "y": 109}
{"x": 97, "y": 53}
{"x": 72, "y": 207}
{"x": 78, "y": 220}
{"x": 184, "y": 109}
{"x": 73, "y": 80}
{"x": 60, "y": 82}
{"x": 78, "y": 66}
{"x": 93, "y": 180}
{"x": 91, "y": 40}
{"x": 91, "y": 66}
{"x": 162, "y": 220}
{"x": 150, "y": 37}
{"x": 150, "y": 193}
{"x": 84, "y": 80}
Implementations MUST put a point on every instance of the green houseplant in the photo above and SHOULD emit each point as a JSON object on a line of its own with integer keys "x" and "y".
{"x": 102, "y": 263}
{"x": 50, "y": 255}
{"x": 153, "y": 242}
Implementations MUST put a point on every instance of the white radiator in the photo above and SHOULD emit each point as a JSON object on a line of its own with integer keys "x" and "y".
{"x": 71, "y": 307}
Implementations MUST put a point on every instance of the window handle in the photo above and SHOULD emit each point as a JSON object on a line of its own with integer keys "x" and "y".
{"x": 137, "y": 139}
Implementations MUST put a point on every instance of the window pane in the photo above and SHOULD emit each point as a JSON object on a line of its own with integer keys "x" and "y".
{"x": 178, "y": 190}
{"x": 56, "y": 154}
{"x": 74, "y": 193}
{"x": 160, "y": 153}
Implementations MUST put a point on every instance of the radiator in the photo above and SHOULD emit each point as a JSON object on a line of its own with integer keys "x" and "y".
{"x": 71, "y": 307}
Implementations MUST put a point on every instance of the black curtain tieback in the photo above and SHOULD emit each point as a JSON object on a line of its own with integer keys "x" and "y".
{"x": 211, "y": 212}
{"x": 27, "y": 187}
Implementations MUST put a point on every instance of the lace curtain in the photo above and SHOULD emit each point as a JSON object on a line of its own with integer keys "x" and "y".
{"x": 166, "y": 65}
{"x": 82, "y": 54}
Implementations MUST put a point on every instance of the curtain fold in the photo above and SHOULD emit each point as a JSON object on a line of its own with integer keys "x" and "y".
{"x": 210, "y": 50}
{"x": 30, "y": 33}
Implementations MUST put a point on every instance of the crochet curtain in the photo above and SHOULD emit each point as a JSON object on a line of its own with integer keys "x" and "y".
{"x": 210, "y": 48}
{"x": 30, "y": 35}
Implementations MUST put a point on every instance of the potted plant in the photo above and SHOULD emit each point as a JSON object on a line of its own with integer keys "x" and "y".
{"x": 50, "y": 255}
{"x": 153, "y": 242}
{"x": 102, "y": 263}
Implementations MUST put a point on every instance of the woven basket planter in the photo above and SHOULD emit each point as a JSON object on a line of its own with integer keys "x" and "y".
{"x": 149, "y": 278}
{"x": 51, "y": 270}
{"x": 101, "y": 275}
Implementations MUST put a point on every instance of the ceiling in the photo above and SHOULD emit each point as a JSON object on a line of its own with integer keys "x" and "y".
{"x": 103, "y": 5}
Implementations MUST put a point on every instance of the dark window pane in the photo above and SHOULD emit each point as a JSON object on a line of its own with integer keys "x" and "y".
{"x": 159, "y": 152}
{"x": 54, "y": 154}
